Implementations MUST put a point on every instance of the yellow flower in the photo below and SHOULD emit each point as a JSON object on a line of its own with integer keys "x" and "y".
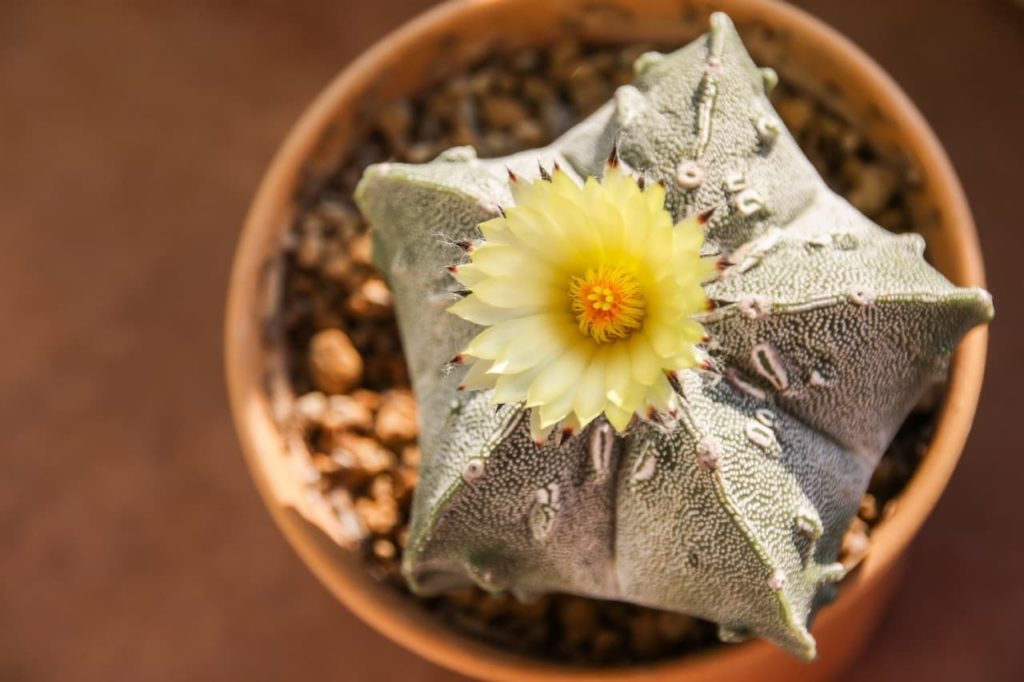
{"x": 588, "y": 296}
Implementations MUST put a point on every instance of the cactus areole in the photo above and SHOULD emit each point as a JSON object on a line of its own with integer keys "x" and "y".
{"x": 658, "y": 360}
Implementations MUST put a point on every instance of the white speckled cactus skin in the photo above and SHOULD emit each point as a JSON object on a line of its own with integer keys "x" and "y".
{"x": 826, "y": 331}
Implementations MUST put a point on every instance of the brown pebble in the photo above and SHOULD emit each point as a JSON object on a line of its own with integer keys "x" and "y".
{"x": 406, "y": 479}
{"x": 310, "y": 407}
{"x": 411, "y": 456}
{"x": 529, "y": 132}
{"x": 396, "y": 420}
{"x": 363, "y": 457}
{"x": 325, "y": 464}
{"x": 530, "y": 609}
{"x": 673, "y": 627}
{"x": 421, "y": 152}
{"x": 579, "y": 618}
{"x": 873, "y": 187}
{"x": 342, "y": 217}
{"x": 394, "y": 119}
{"x": 796, "y": 112}
{"x": 361, "y": 249}
{"x": 855, "y": 544}
{"x": 643, "y": 633}
{"x": 345, "y": 413}
{"x": 492, "y": 606}
{"x": 464, "y": 596}
{"x": 605, "y": 645}
{"x": 311, "y": 241}
{"x": 334, "y": 363}
{"x": 502, "y": 112}
{"x": 371, "y": 300}
{"x": 384, "y": 549}
{"x": 380, "y": 516}
{"x": 367, "y": 398}
{"x": 538, "y": 89}
{"x": 588, "y": 88}
{"x": 868, "y": 508}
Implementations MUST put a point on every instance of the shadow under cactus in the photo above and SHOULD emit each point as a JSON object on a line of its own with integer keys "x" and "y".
{"x": 503, "y": 104}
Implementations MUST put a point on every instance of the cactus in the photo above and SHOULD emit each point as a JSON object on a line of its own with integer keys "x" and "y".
{"x": 825, "y": 331}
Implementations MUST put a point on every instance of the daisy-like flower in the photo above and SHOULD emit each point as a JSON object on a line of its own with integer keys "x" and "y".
{"x": 588, "y": 296}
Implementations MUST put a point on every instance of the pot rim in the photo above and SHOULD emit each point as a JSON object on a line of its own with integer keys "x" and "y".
{"x": 418, "y": 632}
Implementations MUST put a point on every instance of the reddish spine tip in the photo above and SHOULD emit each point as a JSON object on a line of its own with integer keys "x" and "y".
{"x": 512, "y": 177}
{"x": 661, "y": 183}
{"x": 706, "y": 364}
{"x": 613, "y": 156}
{"x": 466, "y": 245}
{"x": 453, "y": 269}
{"x": 709, "y": 305}
{"x": 651, "y": 412}
{"x": 555, "y": 166}
{"x": 705, "y": 338}
{"x": 458, "y": 359}
{"x": 462, "y": 387}
{"x": 544, "y": 175}
{"x": 721, "y": 264}
{"x": 706, "y": 215}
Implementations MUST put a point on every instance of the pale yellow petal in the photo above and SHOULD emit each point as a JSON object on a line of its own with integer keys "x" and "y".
{"x": 646, "y": 364}
{"x": 477, "y": 378}
{"x": 618, "y": 418}
{"x": 560, "y": 376}
{"x": 476, "y": 311}
{"x": 507, "y": 292}
{"x": 618, "y": 373}
{"x": 590, "y": 398}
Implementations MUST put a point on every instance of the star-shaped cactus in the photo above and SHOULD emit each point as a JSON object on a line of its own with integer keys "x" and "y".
{"x": 826, "y": 330}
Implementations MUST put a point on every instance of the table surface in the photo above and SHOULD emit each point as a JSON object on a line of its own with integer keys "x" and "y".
{"x": 132, "y": 136}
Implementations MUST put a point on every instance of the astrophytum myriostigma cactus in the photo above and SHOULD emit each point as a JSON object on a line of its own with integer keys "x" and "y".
{"x": 731, "y": 505}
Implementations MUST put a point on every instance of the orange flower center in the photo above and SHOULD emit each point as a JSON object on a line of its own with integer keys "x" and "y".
{"x": 608, "y": 303}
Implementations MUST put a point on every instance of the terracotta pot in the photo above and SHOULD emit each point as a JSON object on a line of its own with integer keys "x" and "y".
{"x": 440, "y": 41}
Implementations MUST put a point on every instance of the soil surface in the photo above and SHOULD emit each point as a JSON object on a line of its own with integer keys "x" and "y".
{"x": 355, "y": 410}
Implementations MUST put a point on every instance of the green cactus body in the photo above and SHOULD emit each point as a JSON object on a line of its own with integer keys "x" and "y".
{"x": 826, "y": 331}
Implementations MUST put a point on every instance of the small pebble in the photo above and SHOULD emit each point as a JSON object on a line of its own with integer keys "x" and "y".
{"x": 311, "y": 406}
{"x": 394, "y": 120}
{"x": 384, "y": 549}
{"x": 855, "y": 544}
{"x": 868, "y": 508}
{"x": 396, "y": 420}
{"x": 673, "y": 627}
{"x": 379, "y": 516}
{"x": 334, "y": 363}
{"x": 365, "y": 456}
{"x": 872, "y": 187}
{"x": 643, "y": 633}
{"x": 361, "y": 250}
{"x": 579, "y": 618}
{"x": 503, "y": 112}
{"x": 372, "y": 300}
{"x": 345, "y": 413}
{"x": 605, "y": 645}
{"x": 368, "y": 399}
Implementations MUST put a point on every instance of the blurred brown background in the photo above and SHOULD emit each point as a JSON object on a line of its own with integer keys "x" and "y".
{"x": 134, "y": 546}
